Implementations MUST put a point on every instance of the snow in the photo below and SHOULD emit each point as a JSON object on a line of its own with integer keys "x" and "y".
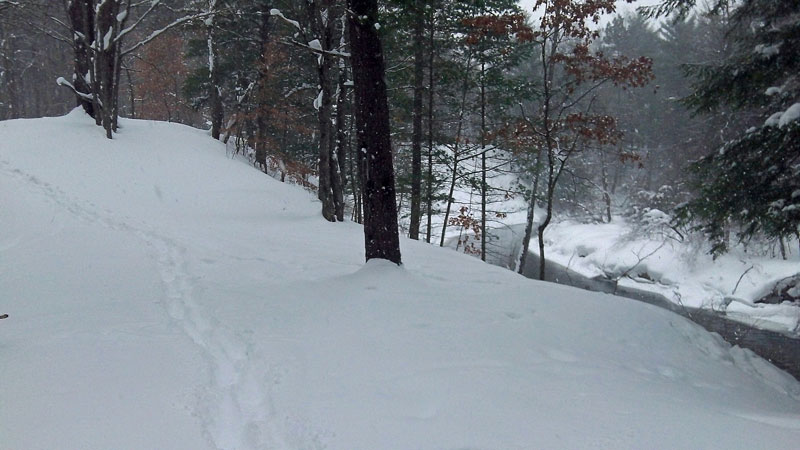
{"x": 162, "y": 295}
{"x": 790, "y": 115}
{"x": 782, "y": 118}
{"x": 278, "y": 13}
{"x": 318, "y": 101}
{"x": 653, "y": 259}
{"x": 774, "y": 119}
{"x": 315, "y": 44}
{"x": 107, "y": 38}
{"x": 767, "y": 50}
{"x": 773, "y": 90}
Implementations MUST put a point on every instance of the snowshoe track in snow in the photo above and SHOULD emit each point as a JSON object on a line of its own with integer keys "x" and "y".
{"x": 235, "y": 408}
{"x": 240, "y": 414}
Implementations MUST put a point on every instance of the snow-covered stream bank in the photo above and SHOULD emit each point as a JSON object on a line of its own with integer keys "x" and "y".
{"x": 680, "y": 272}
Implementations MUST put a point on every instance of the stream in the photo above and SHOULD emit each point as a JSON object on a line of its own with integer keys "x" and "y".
{"x": 781, "y": 350}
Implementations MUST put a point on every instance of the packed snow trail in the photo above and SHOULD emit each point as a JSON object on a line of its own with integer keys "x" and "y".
{"x": 236, "y": 399}
{"x": 163, "y": 296}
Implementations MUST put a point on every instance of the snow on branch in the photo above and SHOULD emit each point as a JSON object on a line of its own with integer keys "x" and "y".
{"x": 7, "y": 3}
{"x": 121, "y": 18}
{"x": 303, "y": 86}
{"x": 278, "y": 13}
{"x": 61, "y": 81}
{"x": 163, "y": 30}
{"x": 315, "y": 47}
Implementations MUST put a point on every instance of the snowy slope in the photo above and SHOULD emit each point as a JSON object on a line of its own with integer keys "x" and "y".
{"x": 162, "y": 296}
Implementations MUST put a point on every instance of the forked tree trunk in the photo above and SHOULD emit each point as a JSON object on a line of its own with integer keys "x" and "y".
{"x": 320, "y": 16}
{"x": 381, "y": 237}
{"x": 106, "y": 61}
{"x": 81, "y": 17}
{"x": 526, "y": 238}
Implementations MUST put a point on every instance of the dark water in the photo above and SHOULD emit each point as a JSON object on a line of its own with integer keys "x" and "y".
{"x": 783, "y": 351}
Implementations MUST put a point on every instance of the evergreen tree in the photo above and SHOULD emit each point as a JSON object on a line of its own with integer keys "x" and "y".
{"x": 753, "y": 179}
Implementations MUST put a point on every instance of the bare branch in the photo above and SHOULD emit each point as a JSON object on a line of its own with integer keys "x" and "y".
{"x": 161, "y": 31}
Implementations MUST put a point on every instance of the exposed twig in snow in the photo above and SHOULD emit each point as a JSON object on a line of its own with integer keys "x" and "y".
{"x": 639, "y": 260}
{"x": 740, "y": 279}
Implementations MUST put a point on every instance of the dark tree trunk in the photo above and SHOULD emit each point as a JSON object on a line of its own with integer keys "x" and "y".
{"x": 261, "y": 89}
{"x": 456, "y": 156}
{"x": 381, "y": 237}
{"x": 106, "y": 62}
{"x": 342, "y": 138}
{"x": 214, "y": 97}
{"x": 323, "y": 30}
{"x": 416, "y": 135}
{"x": 430, "y": 129}
{"x": 338, "y": 166}
{"x": 355, "y": 178}
{"x": 483, "y": 159}
{"x": 81, "y": 17}
{"x": 547, "y": 217}
{"x": 130, "y": 92}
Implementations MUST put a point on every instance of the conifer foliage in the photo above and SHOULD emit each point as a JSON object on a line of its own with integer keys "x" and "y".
{"x": 753, "y": 180}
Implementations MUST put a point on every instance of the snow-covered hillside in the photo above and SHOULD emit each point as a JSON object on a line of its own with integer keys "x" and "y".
{"x": 163, "y": 296}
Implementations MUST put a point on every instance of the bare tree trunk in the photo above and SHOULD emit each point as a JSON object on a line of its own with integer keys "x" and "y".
{"x": 261, "y": 88}
{"x": 430, "y": 129}
{"x": 782, "y": 247}
{"x": 606, "y": 193}
{"x": 340, "y": 152}
{"x": 464, "y": 88}
{"x": 131, "y": 92}
{"x": 526, "y": 238}
{"x": 551, "y": 185}
{"x": 214, "y": 94}
{"x": 355, "y": 178}
{"x": 374, "y": 135}
{"x": 106, "y": 59}
{"x": 483, "y": 160}
{"x": 323, "y": 30}
{"x": 81, "y": 17}
{"x": 416, "y": 135}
